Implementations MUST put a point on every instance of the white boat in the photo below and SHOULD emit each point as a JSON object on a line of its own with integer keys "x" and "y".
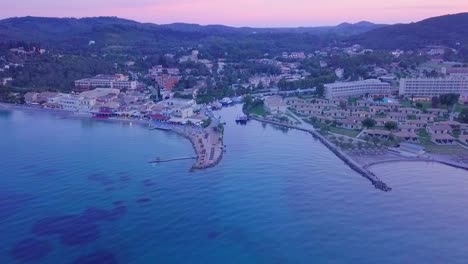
{"x": 226, "y": 101}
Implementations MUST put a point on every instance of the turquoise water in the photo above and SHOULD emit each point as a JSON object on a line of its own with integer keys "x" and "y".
{"x": 278, "y": 196}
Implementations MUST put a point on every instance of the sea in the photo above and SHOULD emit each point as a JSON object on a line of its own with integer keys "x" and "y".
{"x": 81, "y": 191}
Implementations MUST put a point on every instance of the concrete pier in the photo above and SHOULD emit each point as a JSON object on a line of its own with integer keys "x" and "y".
{"x": 169, "y": 160}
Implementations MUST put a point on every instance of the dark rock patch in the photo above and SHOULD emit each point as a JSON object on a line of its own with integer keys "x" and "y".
{"x": 118, "y": 203}
{"x": 48, "y": 172}
{"x": 11, "y": 203}
{"x": 148, "y": 183}
{"x": 77, "y": 229}
{"x": 31, "y": 250}
{"x": 98, "y": 257}
{"x": 101, "y": 179}
{"x": 143, "y": 200}
{"x": 213, "y": 234}
{"x": 80, "y": 235}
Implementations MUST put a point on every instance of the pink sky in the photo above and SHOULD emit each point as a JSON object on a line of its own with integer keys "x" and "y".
{"x": 262, "y": 13}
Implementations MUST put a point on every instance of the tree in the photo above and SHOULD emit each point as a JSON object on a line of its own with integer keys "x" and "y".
{"x": 449, "y": 99}
{"x": 464, "y": 116}
{"x": 391, "y": 125}
{"x": 435, "y": 102}
{"x": 369, "y": 122}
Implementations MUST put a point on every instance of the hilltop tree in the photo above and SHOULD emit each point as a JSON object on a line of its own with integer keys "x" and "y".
{"x": 369, "y": 122}
{"x": 435, "y": 102}
{"x": 391, "y": 125}
{"x": 464, "y": 116}
{"x": 449, "y": 99}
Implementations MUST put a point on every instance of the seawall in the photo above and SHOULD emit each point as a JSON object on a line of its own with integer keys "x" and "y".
{"x": 379, "y": 184}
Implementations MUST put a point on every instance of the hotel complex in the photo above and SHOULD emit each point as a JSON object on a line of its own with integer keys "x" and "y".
{"x": 429, "y": 87}
{"x": 118, "y": 81}
{"x": 358, "y": 88}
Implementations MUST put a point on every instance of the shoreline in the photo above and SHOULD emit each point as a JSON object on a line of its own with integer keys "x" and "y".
{"x": 378, "y": 184}
{"x": 362, "y": 164}
{"x": 426, "y": 160}
{"x": 199, "y": 164}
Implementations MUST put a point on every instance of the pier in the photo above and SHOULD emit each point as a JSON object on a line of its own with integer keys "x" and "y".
{"x": 159, "y": 160}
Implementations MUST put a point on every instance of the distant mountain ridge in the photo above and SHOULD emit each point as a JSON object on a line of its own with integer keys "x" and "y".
{"x": 442, "y": 30}
{"x": 43, "y": 28}
{"x": 67, "y": 33}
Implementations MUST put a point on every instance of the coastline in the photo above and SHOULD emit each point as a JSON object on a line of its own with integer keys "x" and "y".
{"x": 363, "y": 163}
{"x": 384, "y": 160}
{"x": 378, "y": 184}
{"x": 201, "y": 163}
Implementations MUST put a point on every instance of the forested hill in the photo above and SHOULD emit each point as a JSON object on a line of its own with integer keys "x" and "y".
{"x": 444, "y": 30}
{"x": 121, "y": 34}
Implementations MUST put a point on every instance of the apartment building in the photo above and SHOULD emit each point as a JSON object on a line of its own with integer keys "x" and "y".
{"x": 118, "y": 81}
{"x": 429, "y": 87}
{"x": 357, "y": 88}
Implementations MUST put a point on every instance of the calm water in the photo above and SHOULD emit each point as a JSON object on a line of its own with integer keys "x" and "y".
{"x": 277, "y": 197}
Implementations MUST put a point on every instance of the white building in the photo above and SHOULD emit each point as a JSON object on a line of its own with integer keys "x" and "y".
{"x": 275, "y": 104}
{"x": 117, "y": 81}
{"x": 180, "y": 108}
{"x": 339, "y": 72}
{"x": 429, "y": 87}
{"x": 357, "y": 88}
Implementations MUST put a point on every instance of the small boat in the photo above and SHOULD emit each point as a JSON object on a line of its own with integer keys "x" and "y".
{"x": 216, "y": 106}
{"x": 226, "y": 101}
{"x": 237, "y": 100}
{"x": 242, "y": 119}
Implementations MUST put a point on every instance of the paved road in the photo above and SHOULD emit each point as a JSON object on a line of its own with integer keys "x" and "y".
{"x": 303, "y": 124}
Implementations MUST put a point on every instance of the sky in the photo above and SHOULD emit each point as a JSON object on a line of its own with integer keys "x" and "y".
{"x": 259, "y": 13}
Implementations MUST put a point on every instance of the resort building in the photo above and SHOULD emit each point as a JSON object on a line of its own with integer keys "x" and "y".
{"x": 275, "y": 104}
{"x": 376, "y": 133}
{"x": 455, "y": 71}
{"x": 440, "y": 134}
{"x": 118, "y": 81}
{"x": 355, "y": 89}
{"x": 350, "y": 123}
{"x": 429, "y": 87}
{"x": 463, "y": 98}
{"x": 166, "y": 81}
{"x": 30, "y": 98}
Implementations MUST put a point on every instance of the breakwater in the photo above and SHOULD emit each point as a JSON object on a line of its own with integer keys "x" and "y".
{"x": 378, "y": 184}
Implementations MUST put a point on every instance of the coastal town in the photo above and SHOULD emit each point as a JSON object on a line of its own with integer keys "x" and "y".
{"x": 227, "y": 132}
{"x": 413, "y": 106}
